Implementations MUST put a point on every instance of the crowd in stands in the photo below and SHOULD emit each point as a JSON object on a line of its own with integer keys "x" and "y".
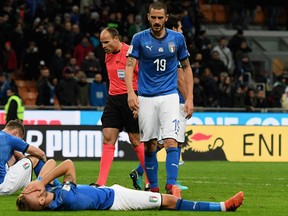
{"x": 56, "y": 45}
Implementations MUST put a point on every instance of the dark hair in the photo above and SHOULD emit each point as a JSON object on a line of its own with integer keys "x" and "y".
{"x": 158, "y": 6}
{"x": 173, "y": 21}
{"x": 112, "y": 31}
{"x": 16, "y": 124}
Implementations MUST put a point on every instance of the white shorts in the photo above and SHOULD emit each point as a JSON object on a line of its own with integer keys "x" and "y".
{"x": 128, "y": 199}
{"x": 17, "y": 177}
{"x": 159, "y": 114}
{"x": 182, "y": 130}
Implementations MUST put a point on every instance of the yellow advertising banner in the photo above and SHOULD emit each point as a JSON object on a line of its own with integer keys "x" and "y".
{"x": 234, "y": 143}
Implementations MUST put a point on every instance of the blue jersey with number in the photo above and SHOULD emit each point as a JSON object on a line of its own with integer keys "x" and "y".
{"x": 8, "y": 144}
{"x": 158, "y": 61}
{"x": 80, "y": 197}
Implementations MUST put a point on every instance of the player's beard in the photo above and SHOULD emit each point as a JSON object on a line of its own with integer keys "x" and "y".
{"x": 157, "y": 29}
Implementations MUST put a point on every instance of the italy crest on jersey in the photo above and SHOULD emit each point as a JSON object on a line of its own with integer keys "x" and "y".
{"x": 171, "y": 47}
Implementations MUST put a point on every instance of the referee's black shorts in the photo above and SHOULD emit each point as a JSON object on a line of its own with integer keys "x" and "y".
{"x": 117, "y": 114}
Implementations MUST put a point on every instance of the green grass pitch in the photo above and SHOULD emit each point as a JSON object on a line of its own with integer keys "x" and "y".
{"x": 265, "y": 186}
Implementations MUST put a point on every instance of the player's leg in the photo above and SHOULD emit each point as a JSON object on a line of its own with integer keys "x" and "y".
{"x": 111, "y": 125}
{"x": 149, "y": 131}
{"x": 171, "y": 202}
{"x": 129, "y": 199}
{"x": 110, "y": 136}
{"x": 181, "y": 139}
{"x": 170, "y": 126}
{"x": 18, "y": 176}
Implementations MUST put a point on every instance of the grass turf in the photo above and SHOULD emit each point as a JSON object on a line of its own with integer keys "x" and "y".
{"x": 265, "y": 186}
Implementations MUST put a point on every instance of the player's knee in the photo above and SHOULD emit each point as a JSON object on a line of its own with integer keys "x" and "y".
{"x": 34, "y": 160}
{"x": 150, "y": 146}
{"x": 170, "y": 143}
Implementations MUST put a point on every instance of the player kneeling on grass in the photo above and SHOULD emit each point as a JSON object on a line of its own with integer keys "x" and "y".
{"x": 39, "y": 195}
{"x": 16, "y": 169}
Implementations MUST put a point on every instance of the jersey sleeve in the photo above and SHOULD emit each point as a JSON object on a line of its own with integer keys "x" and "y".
{"x": 18, "y": 144}
{"x": 134, "y": 48}
{"x": 182, "y": 51}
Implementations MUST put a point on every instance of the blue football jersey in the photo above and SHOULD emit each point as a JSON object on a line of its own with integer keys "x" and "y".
{"x": 158, "y": 61}
{"x": 8, "y": 144}
{"x": 81, "y": 197}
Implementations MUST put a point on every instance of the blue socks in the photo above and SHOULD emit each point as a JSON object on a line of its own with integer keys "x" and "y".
{"x": 151, "y": 166}
{"x": 186, "y": 205}
{"x": 172, "y": 164}
{"x": 38, "y": 167}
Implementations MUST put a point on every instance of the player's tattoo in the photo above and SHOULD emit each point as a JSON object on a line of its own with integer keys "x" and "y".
{"x": 185, "y": 63}
{"x": 68, "y": 177}
{"x": 130, "y": 62}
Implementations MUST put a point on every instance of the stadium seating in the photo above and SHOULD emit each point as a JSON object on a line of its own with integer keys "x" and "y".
{"x": 27, "y": 90}
{"x": 219, "y": 14}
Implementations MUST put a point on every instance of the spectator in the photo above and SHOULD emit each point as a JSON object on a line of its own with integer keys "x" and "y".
{"x": 31, "y": 61}
{"x": 83, "y": 90}
{"x": 244, "y": 66}
{"x": 44, "y": 97}
{"x": 204, "y": 45}
{"x": 91, "y": 65}
{"x": 9, "y": 59}
{"x": 81, "y": 50}
{"x": 4, "y": 86}
{"x": 225, "y": 54}
{"x": 250, "y": 100}
{"x": 277, "y": 91}
{"x": 210, "y": 86}
{"x": 67, "y": 38}
{"x": 284, "y": 99}
{"x": 17, "y": 39}
{"x": 67, "y": 89}
{"x": 72, "y": 65}
{"x": 226, "y": 92}
{"x": 77, "y": 34}
{"x": 98, "y": 92}
{"x": 57, "y": 64}
{"x": 244, "y": 49}
{"x": 236, "y": 40}
{"x": 239, "y": 94}
{"x": 136, "y": 26}
{"x": 261, "y": 100}
{"x": 199, "y": 96}
{"x": 216, "y": 65}
{"x": 14, "y": 108}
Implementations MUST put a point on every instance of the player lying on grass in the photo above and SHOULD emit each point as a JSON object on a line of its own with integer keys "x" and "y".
{"x": 39, "y": 195}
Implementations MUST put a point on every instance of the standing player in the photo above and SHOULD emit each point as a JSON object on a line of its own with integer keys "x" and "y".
{"x": 158, "y": 51}
{"x": 16, "y": 175}
{"x": 39, "y": 195}
{"x": 117, "y": 114}
{"x": 174, "y": 23}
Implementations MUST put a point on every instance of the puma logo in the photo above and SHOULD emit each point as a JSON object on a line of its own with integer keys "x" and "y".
{"x": 150, "y": 48}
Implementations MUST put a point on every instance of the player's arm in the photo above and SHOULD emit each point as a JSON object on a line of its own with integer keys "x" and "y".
{"x": 132, "y": 97}
{"x": 37, "y": 152}
{"x": 181, "y": 83}
{"x": 189, "y": 82}
{"x": 66, "y": 169}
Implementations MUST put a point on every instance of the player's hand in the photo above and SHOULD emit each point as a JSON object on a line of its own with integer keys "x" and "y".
{"x": 133, "y": 102}
{"x": 188, "y": 108}
{"x": 34, "y": 186}
{"x": 135, "y": 114}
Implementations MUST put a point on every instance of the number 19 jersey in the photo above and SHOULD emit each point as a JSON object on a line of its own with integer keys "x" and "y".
{"x": 158, "y": 61}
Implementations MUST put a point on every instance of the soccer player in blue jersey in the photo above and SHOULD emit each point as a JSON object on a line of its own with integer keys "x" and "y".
{"x": 158, "y": 51}
{"x": 15, "y": 168}
{"x": 174, "y": 23}
{"x": 69, "y": 196}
